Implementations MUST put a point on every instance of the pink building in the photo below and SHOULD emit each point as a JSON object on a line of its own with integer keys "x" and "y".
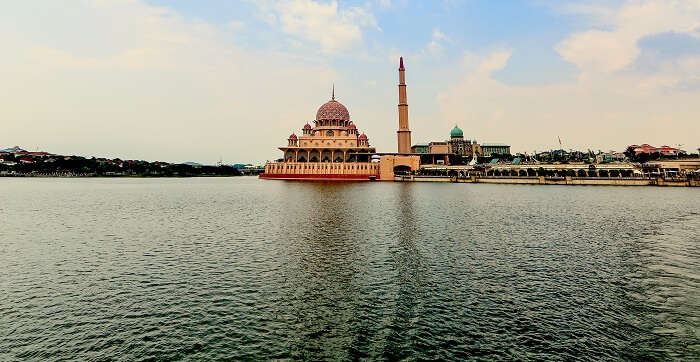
{"x": 333, "y": 148}
{"x": 647, "y": 148}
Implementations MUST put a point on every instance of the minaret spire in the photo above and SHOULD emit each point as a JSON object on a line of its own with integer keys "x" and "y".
{"x": 333, "y": 92}
{"x": 404, "y": 133}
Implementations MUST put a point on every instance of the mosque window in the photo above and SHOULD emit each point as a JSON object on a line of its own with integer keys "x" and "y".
{"x": 329, "y": 133}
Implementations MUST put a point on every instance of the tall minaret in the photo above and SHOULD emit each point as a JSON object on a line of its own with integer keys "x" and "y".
{"x": 404, "y": 134}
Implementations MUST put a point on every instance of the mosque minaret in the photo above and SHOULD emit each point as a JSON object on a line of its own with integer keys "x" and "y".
{"x": 403, "y": 134}
{"x": 334, "y": 149}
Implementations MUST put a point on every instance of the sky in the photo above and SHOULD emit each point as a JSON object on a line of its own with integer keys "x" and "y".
{"x": 209, "y": 80}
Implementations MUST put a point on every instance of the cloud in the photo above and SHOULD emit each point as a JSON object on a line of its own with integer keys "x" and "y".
{"x": 617, "y": 47}
{"x": 435, "y": 47}
{"x": 325, "y": 24}
{"x": 598, "y": 111}
{"x": 136, "y": 81}
{"x": 236, "y": 25}
{"x": 495, "y": 61}
{"x": 122, "y": 78}
{"x": 438, "y": 35}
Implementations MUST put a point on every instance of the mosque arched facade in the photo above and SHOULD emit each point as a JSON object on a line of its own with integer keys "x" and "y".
{"x": 333, "y": 148}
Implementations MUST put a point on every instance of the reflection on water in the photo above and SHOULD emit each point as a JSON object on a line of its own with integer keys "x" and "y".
{"x": 409, "y": 280}
{"x": 250, "y": 269}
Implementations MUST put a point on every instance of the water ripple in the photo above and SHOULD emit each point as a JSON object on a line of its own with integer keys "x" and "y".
{"x": 205, "y": 269}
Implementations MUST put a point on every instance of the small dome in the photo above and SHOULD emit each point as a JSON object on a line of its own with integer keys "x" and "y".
{"x": 363, "y": 136}
{"x": 456, "y": 132}
{"x": 292, "y": 136}
{"x": 474, "y": 141}
{"x": 333, "y": 110}
{"x": 352, "y": 126}
{"x": 307, "y": 126}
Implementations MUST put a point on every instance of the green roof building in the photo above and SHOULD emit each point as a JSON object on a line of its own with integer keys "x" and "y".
{"x": 489, "y": 149}
{"x": 420, "y": 148}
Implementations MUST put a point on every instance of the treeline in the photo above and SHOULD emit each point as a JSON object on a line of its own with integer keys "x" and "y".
{"x": 656, "y": 156}
{"x": 80, "y": 166}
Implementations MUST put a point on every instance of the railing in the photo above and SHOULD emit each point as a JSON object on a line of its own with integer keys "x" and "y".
{"x": 356, "y": 168}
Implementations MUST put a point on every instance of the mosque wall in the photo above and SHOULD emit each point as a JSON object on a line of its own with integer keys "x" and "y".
{"x": 321, "y": 170}
{"x": 388, "y": 163}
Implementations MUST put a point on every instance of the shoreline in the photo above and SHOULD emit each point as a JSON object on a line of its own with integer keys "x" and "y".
{"x": 116, "y": 176}
{"x": 568, "y": 180}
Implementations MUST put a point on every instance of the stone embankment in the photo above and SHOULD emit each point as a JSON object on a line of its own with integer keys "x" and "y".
{"x": 544, "y": 180}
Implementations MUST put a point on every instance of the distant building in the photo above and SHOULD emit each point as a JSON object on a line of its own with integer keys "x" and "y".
{"x": 489, "y": 149}
{"x": 439, "y": 147}
{"x": 34, "y": 154}
{"x": 461, "y": 146}
{"x": 647, "y": 148}
{"x": 420, "y": 148}
{"x": 13, "y": 150}
{"x": 458, "y": 145}
{"x": 477, "y": 149}
{"x": 611, "y": 156}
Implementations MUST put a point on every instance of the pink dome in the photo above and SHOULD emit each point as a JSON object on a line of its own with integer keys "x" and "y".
{"x": 363, "y": 136}
{"x": 307, "y": 126}
{"x": 352, "y": 126}
{"x": 292, "y": 136}
{"x": 333, "y": 110}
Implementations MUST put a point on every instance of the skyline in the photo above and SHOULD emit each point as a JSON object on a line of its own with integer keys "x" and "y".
{"x": 179, "y": 81}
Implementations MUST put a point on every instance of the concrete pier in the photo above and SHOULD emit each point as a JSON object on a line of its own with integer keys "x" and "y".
{"x": 599, "y": 181}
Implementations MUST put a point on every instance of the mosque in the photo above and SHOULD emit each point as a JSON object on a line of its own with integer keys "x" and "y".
{"x": 335, "y": 149}
{"x": 332, "y": 149}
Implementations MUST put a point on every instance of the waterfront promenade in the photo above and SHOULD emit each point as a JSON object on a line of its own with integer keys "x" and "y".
{"x": 667, "y": 173}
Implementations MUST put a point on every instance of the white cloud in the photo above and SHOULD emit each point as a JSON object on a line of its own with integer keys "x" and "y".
{"x": 614, "y": 49}
{"x": 602, "y": 110}
{"x": 326, "y": 24}
{"x": 435, "y": 47}
{"x": 136, "y": 81}
{"x": 611, "y": 104}
{"x": 438, "y": 35}
{"x": 236, "y": 25}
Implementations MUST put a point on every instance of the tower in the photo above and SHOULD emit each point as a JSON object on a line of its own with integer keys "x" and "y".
{"x": 403, "y": 134}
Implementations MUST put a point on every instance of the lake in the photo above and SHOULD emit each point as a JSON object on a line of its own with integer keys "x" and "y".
{"x": 241, "y": 268}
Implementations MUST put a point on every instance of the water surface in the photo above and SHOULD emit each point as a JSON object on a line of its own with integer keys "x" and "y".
{"x": 241, "y": 268}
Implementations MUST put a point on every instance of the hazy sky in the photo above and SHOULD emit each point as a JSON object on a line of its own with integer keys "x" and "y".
{"x": 199, "y": 80}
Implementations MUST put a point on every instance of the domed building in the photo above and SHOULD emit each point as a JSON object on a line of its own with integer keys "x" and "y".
{"x": 460, "y": 146}
{"x": 333, "y": 148}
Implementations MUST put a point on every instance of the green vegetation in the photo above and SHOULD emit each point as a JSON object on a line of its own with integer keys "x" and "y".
{"x": 80, "y": 166}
